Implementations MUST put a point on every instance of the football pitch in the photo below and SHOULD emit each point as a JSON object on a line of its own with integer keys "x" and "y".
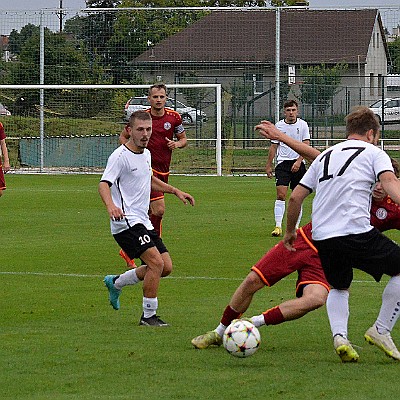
{"x": 60, "y": 338}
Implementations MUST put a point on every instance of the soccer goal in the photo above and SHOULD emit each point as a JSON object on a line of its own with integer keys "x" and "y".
{"x": 74, "y": 128}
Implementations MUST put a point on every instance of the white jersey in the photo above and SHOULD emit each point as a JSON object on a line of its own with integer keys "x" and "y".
{"x": 342, "y": 178}
{"x": 129, "y": 175}
{"x": 298, "y": 130}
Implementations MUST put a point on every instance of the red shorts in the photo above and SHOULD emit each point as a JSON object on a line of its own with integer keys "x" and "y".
{"x": 2, "y": 180}
{"x": 162, "y": 176}
{"x": 279, "y": 262}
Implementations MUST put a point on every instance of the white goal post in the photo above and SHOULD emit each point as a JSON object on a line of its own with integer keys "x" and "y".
{"x": 215, "y": 86}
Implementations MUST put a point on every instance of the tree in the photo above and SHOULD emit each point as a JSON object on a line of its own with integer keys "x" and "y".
{"x": 65, "y": 63}
{"x": 394, "y": 51}
{"x": 16, "y": 40}
{"x": 320, "y": 84}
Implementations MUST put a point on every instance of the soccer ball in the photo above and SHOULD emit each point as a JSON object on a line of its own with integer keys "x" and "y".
{"x": 241, "y": 338}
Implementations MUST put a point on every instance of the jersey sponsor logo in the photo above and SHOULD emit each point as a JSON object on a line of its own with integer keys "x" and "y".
{"x": 167, "y": 126}
{"x": 381, "y": 213}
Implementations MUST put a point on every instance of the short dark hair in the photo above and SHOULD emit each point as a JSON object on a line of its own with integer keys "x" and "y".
{"x": 139, "y": 114}
{"x": 360, "y": 120}
{"x": 157, "y": 86}
{"x": 290, "y": 103}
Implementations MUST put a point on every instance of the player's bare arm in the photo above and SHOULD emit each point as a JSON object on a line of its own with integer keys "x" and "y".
{"x": 293, "y": 211}
{"x": 4, "y": 152}
{"x": 124, "y": 136}
{"x": 158, "y": 185}
{"x": 114, "y": 212}
{"x": 391, "y": 185}
{"x": 177, "y": 144}
{"x": 271, "y": 155}
{"x": 270, "y": 131}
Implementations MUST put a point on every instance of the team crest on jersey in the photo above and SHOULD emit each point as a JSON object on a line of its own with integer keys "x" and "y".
{"x": 381, "y": 213}
{"x": 167, "y": 126}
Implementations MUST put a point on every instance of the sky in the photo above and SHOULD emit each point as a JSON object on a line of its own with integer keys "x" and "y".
{"x": 78, "y": 4}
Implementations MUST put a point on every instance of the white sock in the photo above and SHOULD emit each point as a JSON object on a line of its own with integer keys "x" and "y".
{"x": 127, "y": 278}
{"x": 337, "y": 307}
{"x": 279, "y": 211}
{"x": 258, "y": 320}
{"x": 150, "y": 305}
{"x": 390, "y": 309}
{"x": 220, "y": 329}
{"x": 299, "y": 219}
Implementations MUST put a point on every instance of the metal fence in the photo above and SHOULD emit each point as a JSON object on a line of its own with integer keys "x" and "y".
{"x": 260, "y": 56}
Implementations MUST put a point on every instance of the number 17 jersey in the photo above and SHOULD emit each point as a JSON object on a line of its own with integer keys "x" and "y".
{"x": 342, "y": 178}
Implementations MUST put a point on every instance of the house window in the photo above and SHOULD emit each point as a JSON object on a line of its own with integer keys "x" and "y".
{"x": 371, "y": 84}
{"x": 377, "y": 39}
{"x": 380, "y": 84}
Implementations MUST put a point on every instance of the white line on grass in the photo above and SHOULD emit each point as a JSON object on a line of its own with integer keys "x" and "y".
{"x": 204, "y": 278}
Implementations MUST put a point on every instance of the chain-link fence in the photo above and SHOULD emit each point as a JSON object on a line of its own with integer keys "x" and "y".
{"x": 328, "y": 60}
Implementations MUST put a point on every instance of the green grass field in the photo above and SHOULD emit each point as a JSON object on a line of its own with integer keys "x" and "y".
{"x": 60, "y": 339}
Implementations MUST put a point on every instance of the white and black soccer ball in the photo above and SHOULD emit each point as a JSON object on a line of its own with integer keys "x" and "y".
{"x": 241, "y": 338}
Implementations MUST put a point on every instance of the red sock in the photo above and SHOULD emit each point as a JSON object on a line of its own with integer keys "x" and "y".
{"x": 273, "y": 316}
{"x": 229, "y": 315}
{"x": 156, "y": 222}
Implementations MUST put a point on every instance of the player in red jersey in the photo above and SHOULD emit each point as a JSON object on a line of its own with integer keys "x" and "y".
{"x": 311, "y": 286}
{"x": 5, "y": 165}
{"x": 167, "y": 125}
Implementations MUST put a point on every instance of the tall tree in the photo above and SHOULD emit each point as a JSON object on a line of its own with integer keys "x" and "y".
{"x": 394, "y": 50}
{"x": 319, "y": 84}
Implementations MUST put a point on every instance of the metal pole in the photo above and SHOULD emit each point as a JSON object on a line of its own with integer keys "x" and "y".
{"x": 41, "y": 91}
{"x": 277, "y": 61}
{"x": 219, "y": 130}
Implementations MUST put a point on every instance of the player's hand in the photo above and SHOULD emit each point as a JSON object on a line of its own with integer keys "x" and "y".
{"x": 185, "y": 197}
{"x": 115, "y": 213}
{"x": 268, "y": 170}
{"x": 172, "y": 145}
{"x": 6, "y": 167}
{"x": 289, "y": 239}
{"x": 268, "y": 130}
{"x": 296, "y": 166}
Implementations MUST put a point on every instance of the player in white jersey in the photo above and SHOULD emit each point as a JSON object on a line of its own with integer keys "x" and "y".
{"x": 125, "y": 190}
{"x": 290, "y": 166}
{"x": 343, "y": 177}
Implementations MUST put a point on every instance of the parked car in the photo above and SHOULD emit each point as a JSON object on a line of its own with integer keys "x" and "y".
{"x": 4, "y": 110}
{"x": 190, "y": 115}
{"x": 391, "y": 108}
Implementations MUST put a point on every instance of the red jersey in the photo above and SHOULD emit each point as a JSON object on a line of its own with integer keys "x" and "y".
{"x": 168, "y": 125}
{"x": 2, "y": 133}
{"x": 385, "y": 214}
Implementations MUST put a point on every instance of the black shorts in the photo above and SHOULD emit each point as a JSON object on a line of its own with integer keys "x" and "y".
{"x": 371, "y": 252}
{"x": 137, "y": 239}
{"x": 285, "y": 177}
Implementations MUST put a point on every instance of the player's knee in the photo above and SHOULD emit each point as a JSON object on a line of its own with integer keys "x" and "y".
{"x": 252, "y": 282}
{"x": 156, "y": 264}
{"x": 315, "y": 299}
{"x": 158, "y": 211}
{"x": 167, "y": 269}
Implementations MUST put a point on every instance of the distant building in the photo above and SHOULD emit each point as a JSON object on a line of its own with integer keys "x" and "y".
{"x": 225, "y": 44}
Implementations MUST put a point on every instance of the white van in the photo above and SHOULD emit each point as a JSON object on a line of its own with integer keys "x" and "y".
{"x": 391, "y": 108}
